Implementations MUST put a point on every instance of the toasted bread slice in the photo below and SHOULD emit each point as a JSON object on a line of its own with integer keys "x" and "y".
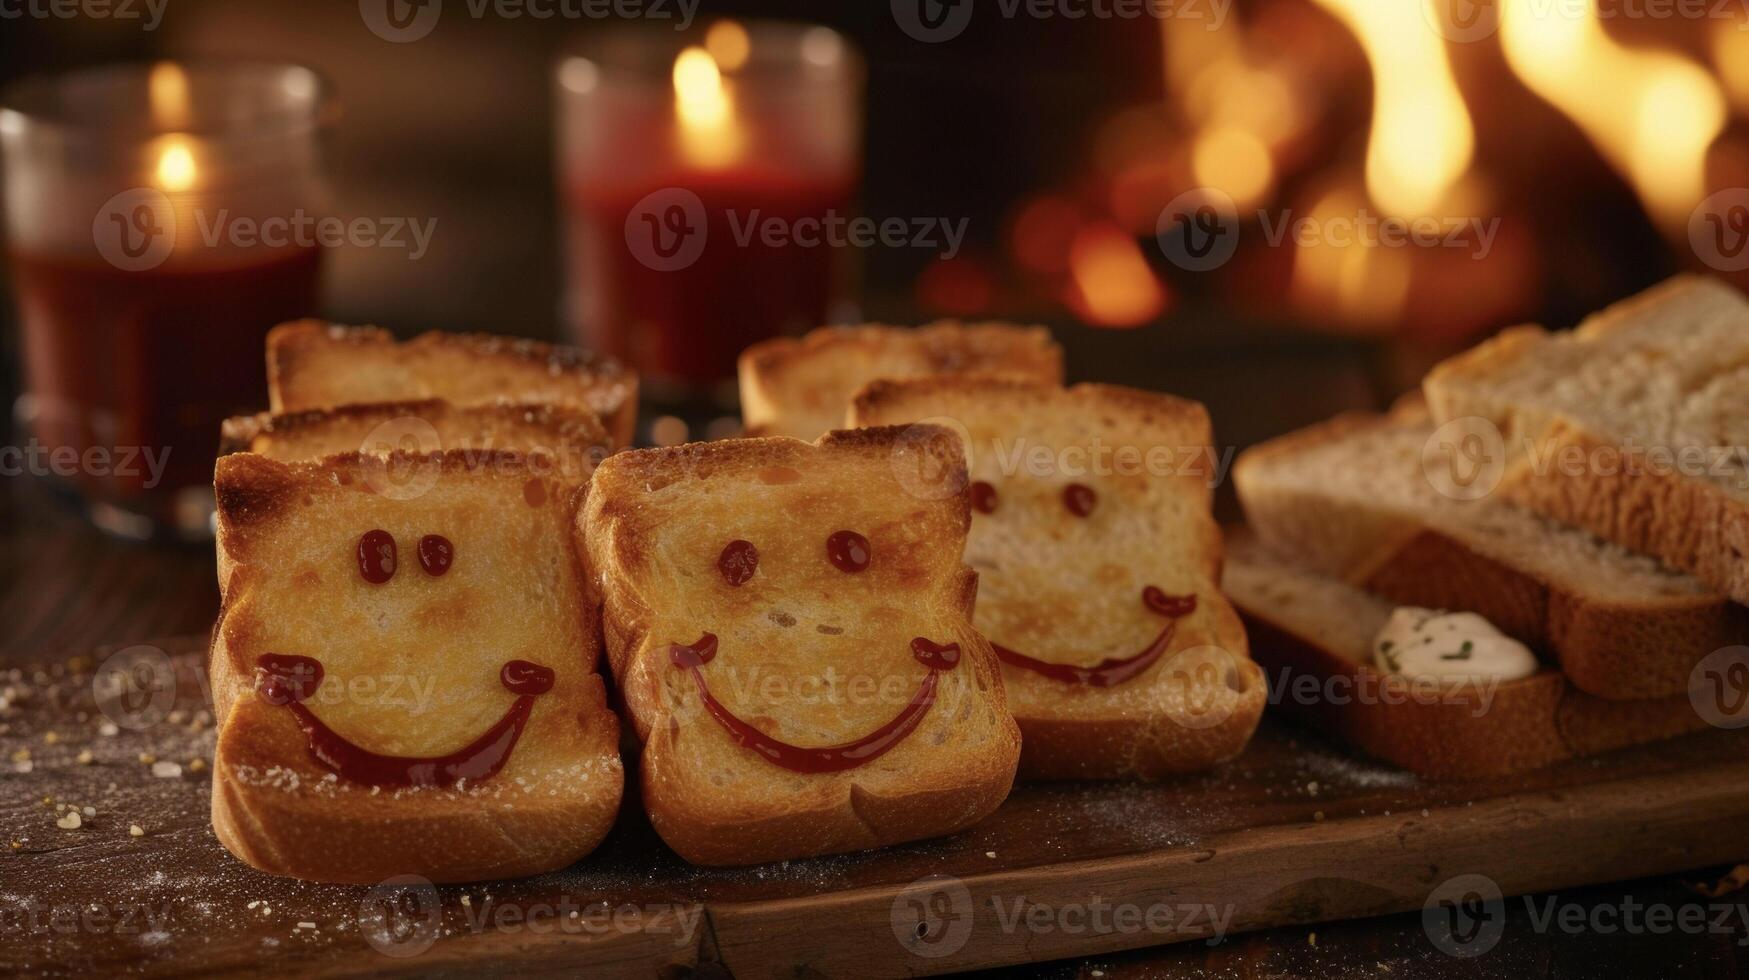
{"x": 805, "y": 651}
{"x": 1073, "y": 591}
{"x": 568, "y": 439}
{"x": 1350, "y": 498}
{"x": 311, "y": 364}
{"x": 1314, "y": 636}
{"x": 1633, "y": 426}
{"x": 432, "y": 665}
{"x": 801, "y": 387}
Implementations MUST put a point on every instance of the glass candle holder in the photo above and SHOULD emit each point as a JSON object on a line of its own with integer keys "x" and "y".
{"x": 698, "y": 172}
{"x": 157, "y": 221}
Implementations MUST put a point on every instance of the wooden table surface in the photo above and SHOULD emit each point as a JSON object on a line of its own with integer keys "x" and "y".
{"x": 67, "y": 589}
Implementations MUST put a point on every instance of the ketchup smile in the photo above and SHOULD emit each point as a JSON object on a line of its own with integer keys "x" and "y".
{"x": 937, "y": 657}
{"x": 1112, "y": 671}
{"x": 285, "y": 680}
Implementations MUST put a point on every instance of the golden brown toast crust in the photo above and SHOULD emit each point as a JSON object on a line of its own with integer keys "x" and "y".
{"x": 809, "y": 654}
{"x": 1687, "y": 522}
{"x": 1067, "y": 590}
{"x": 564, "y": 437}
{"x": 1618, "y": 649}
{"x": 1466, "y": 734}
{"x": 410, "y": 668}
{"x": 311, "y": 364}
{"x": 801, "y": 386}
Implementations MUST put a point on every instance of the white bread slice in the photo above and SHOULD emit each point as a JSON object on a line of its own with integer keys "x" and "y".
{"x": 566, "y": 438}
{"x": 1314, "y": 636}
{"x": 1634, "y": 426}
{"x": 1068, "y": 589}
{"x": 1350, "y": 498}
{"x": 311, "y": 364}
{"x": 801, "y": 387}
{"x": 808, "y": 654}
{"x": 412, "y": 667}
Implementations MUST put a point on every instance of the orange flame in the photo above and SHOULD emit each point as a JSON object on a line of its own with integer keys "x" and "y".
{"x": 1422, "y": 140}
{"x": 1652, "y": 113}
{"x": 1113, "y": 286}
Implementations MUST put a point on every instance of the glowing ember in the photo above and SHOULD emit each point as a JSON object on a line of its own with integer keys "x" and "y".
{"x": 1112, "y": 282}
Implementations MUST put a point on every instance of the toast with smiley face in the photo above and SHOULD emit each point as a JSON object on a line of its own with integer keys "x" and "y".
{"x": 1099, "y": 564}
{"x": 404, "y": 670}
{"x": 790, "y": 627}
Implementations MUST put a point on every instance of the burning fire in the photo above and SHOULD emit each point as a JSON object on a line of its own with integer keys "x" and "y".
{"x": 1652, "y": 113}
{"x": 167, "y": 93}
{"x": 1422, "y": 140}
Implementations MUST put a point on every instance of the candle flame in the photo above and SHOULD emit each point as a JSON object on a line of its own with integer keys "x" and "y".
{"x": 1422, "y": 140}
{"x": 176, "y": 169}
{"x": 167, "y": 93}
{"x": 708, "y": 132}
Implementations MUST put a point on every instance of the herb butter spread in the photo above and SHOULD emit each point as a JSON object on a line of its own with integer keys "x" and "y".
{"x": 1429, "y": 643}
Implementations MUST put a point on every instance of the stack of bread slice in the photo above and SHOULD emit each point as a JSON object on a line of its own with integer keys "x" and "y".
{"x": 1618, "y": 575}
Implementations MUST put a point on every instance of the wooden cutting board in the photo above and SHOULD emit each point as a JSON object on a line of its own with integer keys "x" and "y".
{"x": 1295, "y": 831}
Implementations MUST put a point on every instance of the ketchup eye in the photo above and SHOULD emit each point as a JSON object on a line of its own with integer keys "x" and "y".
{"x": 983, "y": 497}
{"x": 436, "y": 554}
{"x": 848, "y": 550}
{"x": 1080, "y": 499}
{"x": 376, "y": 556}
{"x": 738, "y": 562}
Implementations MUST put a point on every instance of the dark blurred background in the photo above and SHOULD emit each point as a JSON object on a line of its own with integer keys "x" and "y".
{"x": 1058, "y": 139}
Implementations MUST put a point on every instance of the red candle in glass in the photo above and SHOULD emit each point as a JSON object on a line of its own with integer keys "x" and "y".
{"x": 143, "y": 311}
{"x": 688, "y": 168}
